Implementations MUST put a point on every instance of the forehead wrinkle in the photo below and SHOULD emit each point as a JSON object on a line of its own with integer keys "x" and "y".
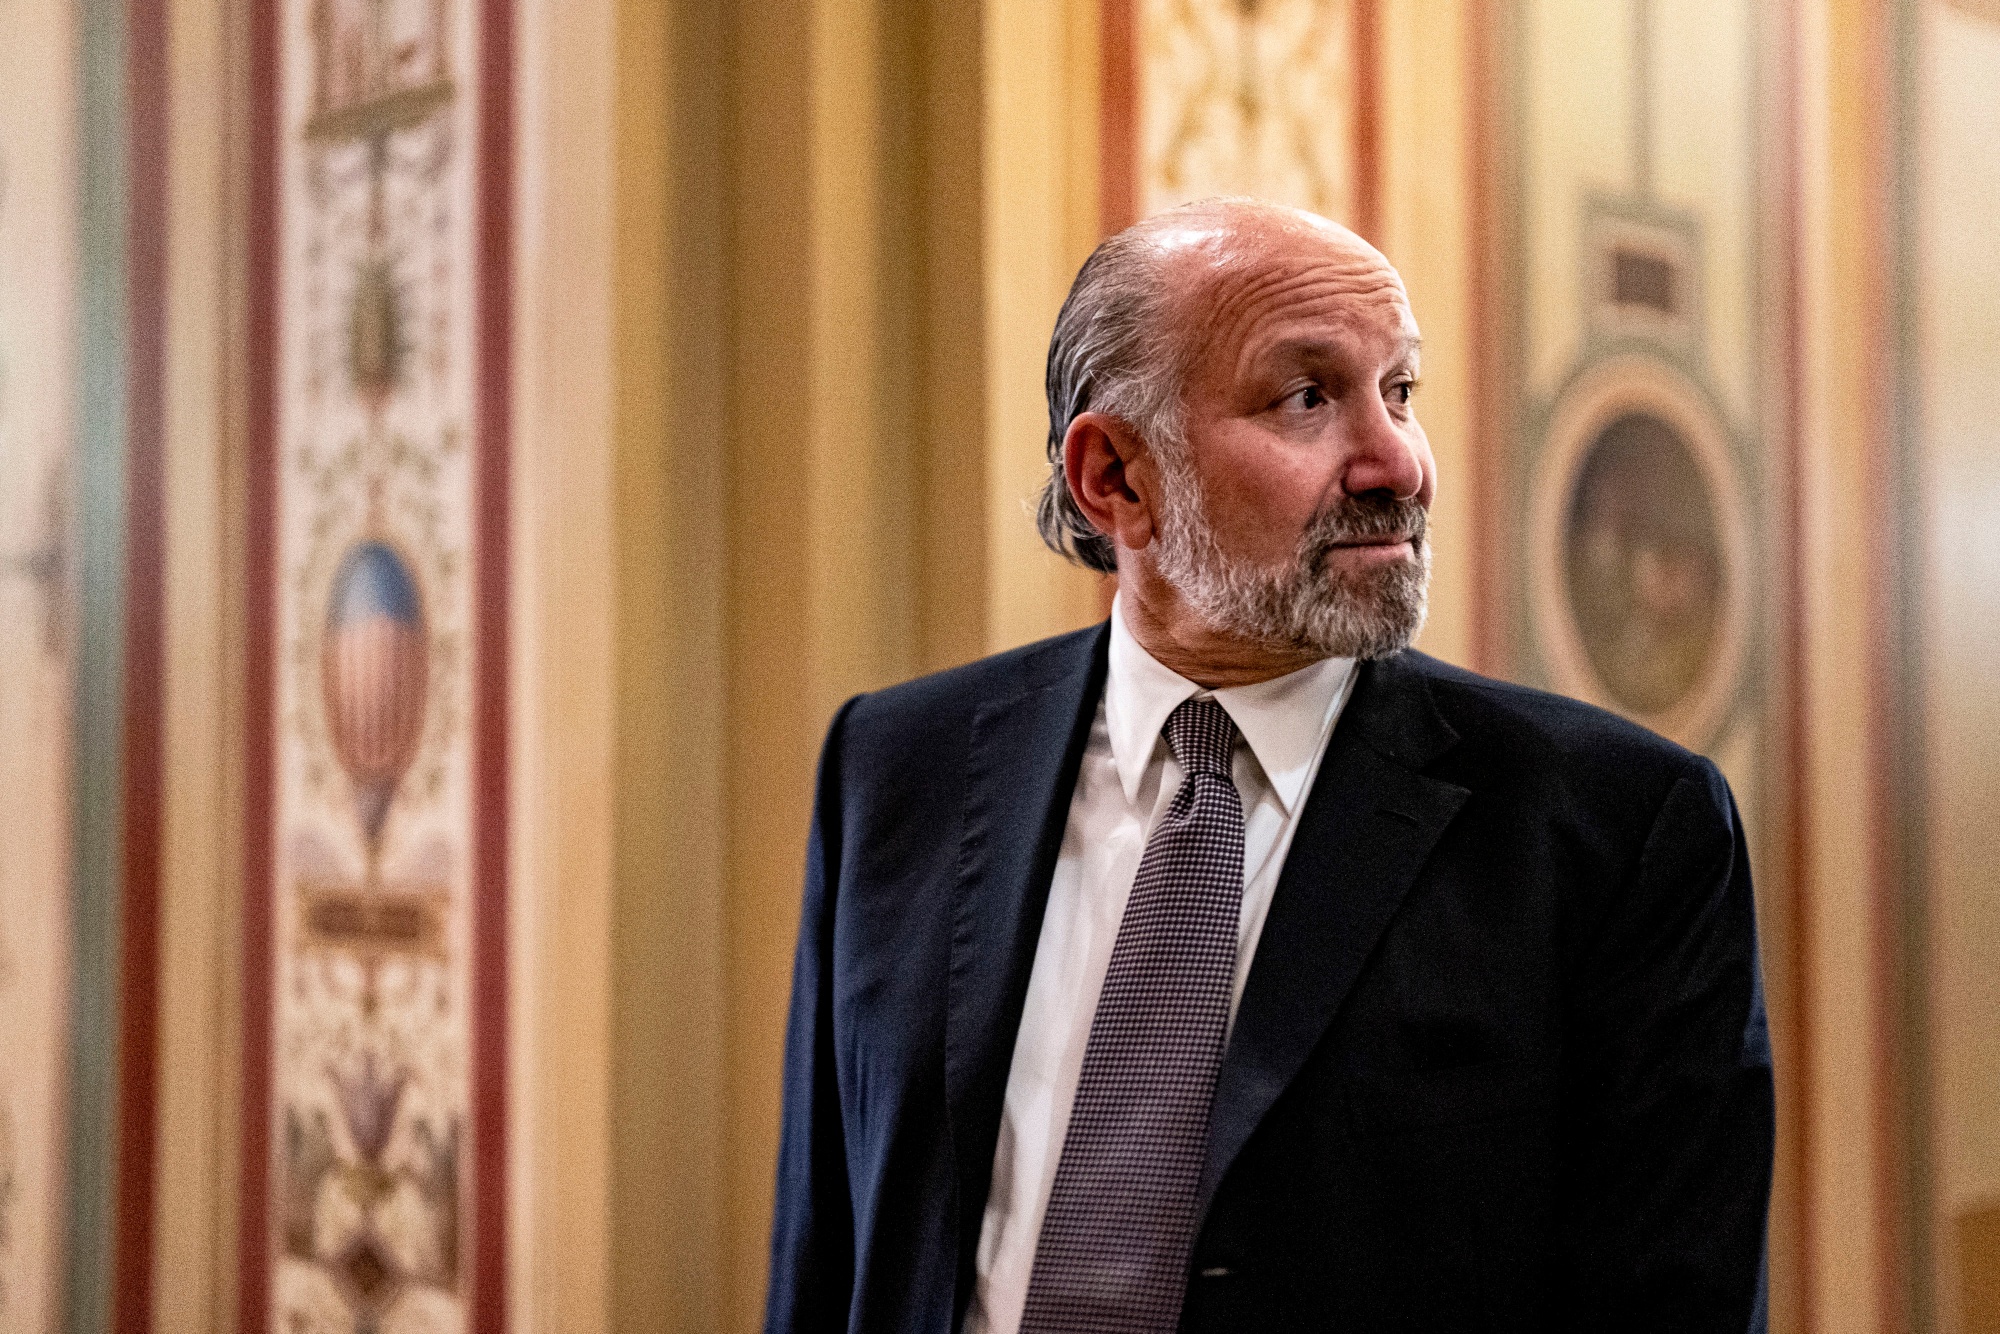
{"x": 1341, "y": 301}
{"x": 1287, "y": 292}
{"x": 1314, "y": 347}
{"x": 1228, "y": 269}
{"x": 1360, "y": 277}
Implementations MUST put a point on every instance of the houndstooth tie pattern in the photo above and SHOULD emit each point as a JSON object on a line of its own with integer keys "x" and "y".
{"x": 1113, "y": 1253}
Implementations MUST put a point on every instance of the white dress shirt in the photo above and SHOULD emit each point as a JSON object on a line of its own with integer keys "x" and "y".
{"x": 1128, "y": 778}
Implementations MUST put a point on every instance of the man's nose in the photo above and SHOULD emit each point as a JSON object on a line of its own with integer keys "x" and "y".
{"x": 1385, "y": 455}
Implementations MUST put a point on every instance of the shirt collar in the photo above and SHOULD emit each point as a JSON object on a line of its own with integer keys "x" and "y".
{"x": 1283, "y": 720}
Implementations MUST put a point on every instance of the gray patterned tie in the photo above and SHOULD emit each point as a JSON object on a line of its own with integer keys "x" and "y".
{"x": 1113, "y": 1254}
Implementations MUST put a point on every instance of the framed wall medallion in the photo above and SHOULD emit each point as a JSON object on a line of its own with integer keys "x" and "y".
{"x": 1639, "y": 550}
{"x": 1633, "y": 470}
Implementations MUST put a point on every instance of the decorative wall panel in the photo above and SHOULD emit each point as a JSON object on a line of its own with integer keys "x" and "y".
{"x": 1248, "y": 97}
{"x": 1637, "y": 482}
{"x": 37, "y": 638}
{"x": 1637, "y": 452}
{"x": 374, "y": 859}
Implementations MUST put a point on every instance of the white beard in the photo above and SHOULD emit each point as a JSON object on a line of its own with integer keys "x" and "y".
{"x": 1301, "y": 606}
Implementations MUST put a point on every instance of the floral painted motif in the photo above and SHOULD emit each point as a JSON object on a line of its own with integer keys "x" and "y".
{"x": 375, "y": 542}
{"x": 1247, "y": 97}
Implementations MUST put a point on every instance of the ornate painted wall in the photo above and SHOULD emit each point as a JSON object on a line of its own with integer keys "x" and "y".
{"x": 1637, "y": 491}
{"x": 1248, "y": 97}
{"x": 370, "y": 1204}
{"x": 1639, "y": 494}
{"x": 1638, "y": 481}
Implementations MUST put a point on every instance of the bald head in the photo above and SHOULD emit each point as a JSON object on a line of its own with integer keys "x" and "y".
{"x": 1231, "y": 433}
{"x": 1211, "y": 236}
{"x": 1150, "y": 306}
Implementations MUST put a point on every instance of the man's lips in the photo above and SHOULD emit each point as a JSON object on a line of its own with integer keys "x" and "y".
{"x": 1373, "y": 550}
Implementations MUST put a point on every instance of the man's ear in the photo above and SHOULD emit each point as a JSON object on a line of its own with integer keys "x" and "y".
{"x": 1111, "y": 474}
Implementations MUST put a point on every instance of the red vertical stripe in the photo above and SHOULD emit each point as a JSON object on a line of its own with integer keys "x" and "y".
{"x": 375, "y": 686}
{"x": 413, "y": 675}
{"x": 1484, "y": 101}
{"x": 1886, "y": 691}
{"x": 253, "y": 1241}
{"x": 145, "y": 651}
{"x": 489, "y": 762}
{"x": 1796, "y": 1070}
{"x": 1367, "y": 31}
{"x": 1118, "y": 116}
{"x": 1117, "y": 145}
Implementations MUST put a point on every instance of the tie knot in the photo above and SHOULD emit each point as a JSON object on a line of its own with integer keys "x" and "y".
{"x": 1201, "y": 736}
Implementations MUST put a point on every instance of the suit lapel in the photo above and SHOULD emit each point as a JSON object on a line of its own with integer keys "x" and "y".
{"x": 1367, "y": 829}
{"x": 1021, "y": 770}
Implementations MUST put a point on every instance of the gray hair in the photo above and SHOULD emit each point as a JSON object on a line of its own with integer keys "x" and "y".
{"x": 1112, "y": 352}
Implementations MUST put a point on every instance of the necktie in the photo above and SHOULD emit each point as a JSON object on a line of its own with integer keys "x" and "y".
{"x": 1115, "y": 1241}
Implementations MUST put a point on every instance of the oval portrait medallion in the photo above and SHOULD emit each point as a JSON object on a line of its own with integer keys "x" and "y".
{"x": 1638, "y": 548}
{"x": 1644, "y": 560}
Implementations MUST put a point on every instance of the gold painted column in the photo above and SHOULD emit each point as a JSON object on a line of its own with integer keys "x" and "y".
{"x": 565, "y": 709}
{"x": 1846, "y": 992}
{"x": 1040, "y": 205}
{"x": 868, "y": 540}
{"x": 787, "y": 276}
{"x": 1425, "y": 232}
{"x": 195, "y": 1171}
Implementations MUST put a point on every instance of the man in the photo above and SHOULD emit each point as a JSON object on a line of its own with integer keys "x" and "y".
{"x": 1230, "y": 966}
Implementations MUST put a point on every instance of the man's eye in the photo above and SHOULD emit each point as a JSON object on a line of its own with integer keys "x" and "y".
{"x": 1309, "y": 397}
{"x": 1401, "y": 391}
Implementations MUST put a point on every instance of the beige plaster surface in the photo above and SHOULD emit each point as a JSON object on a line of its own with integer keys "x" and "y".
{"x": 1575, "y": 136}
{"x": 1958, "y": 364}
{"x": 38, "y": 265}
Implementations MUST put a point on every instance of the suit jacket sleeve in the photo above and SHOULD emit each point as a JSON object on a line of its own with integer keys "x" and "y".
{"x": 812, "y": 1231}
{"x": 1670, "y": 1164}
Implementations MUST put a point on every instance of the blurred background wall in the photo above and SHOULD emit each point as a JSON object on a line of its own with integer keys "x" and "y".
{"x": 456, "y": 454}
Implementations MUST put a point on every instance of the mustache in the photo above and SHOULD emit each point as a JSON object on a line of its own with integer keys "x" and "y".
{"x": 1364, "y": 518}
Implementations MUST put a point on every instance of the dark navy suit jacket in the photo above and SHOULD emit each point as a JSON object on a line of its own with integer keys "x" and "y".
{"x": 1501, "y": 1062}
